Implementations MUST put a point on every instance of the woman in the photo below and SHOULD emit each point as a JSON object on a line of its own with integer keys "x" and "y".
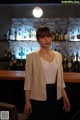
{"x": 44, "y": 83}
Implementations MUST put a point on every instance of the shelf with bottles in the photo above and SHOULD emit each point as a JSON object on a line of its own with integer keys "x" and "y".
{"x": 36, "y": 40}
{"x": 64, "y": 35}
{"x": 71, "y": 64}
{"x": 66, "y": 41}
{"x": 30, "y": 35}
{"x": 12, "y": 63}
{"x": 21, "y": 34}
{"x": 16, "y": 64}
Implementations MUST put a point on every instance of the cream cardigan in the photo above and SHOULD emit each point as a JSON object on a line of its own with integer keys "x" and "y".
{"x": 35, "y": 78}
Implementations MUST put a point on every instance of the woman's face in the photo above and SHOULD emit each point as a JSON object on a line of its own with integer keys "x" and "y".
{"x": 45, "y": 42}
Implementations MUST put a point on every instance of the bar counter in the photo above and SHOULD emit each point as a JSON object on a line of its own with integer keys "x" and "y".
{"x": 20, "y": 75}
{"x": 12, "y": 75}
{"x": 12, "y": 89}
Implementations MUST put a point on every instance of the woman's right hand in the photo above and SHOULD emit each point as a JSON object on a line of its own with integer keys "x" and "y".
{"x": 28, "y": 108}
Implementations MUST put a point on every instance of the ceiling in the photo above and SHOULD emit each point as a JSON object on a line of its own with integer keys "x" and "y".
{"x": 29, "y": 1}
{"x": 50, "y": 10}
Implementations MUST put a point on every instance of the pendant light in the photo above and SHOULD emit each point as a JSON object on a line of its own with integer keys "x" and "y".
{"x": 37, "y": 11}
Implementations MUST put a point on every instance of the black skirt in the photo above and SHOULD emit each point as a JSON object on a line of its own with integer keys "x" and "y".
{"x": 46, "y": 110}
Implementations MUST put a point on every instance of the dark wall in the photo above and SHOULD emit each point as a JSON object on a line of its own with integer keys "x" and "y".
{"x": 8, "y": 11}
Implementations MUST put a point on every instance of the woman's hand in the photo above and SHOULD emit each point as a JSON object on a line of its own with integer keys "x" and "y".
{"x": 66, "y": 103}
{"x": 28, "y": 108}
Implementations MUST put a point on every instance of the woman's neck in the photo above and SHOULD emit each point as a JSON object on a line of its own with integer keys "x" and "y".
{"x": 45, "y": 51}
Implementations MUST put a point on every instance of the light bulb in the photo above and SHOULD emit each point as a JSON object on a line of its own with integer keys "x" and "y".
{"x": 37, "y": 12}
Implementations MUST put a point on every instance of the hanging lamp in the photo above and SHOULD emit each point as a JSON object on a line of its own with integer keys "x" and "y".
{"x": 37, "y": 11}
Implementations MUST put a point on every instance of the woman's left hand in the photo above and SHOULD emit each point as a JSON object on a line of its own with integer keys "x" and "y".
{"x": 66, "y": 103}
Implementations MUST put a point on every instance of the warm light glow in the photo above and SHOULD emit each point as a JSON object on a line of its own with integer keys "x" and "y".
{"x": 37, "y": 12}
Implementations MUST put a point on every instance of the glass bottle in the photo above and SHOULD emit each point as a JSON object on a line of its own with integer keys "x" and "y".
{"x": 66, "y": 36}
{"x": 72, "y": 62}
{"x": 65, "y": 63}
{"x": 15, "y": 35}
{"x": 9, "y": 55}
{"x": 69, "y": 65}
{"x": 5, "y": 54}
{"x": 62, "y": 35}
{"x": 53, "y": 36}
{"x": 9, "y": 34}
{"x": 76, "y": 63}
{"x": 56, "y": 34}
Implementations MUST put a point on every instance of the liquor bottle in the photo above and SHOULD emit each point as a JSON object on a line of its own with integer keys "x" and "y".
{"x": 65, "y": 63}
{"x": 59, "y": 36}
{"x": 56, "y": 35}
{"x": 5, "y": 36}
{"x": 62, "y": 35}
{"x": 14, "y": 63}
{"x": 73, "y": 36}
{"x": 9, "y": 52}
{"x": 78, "y": 35}
{"x": 76, "y": 63}
{"x": 53, "y": 36}
{"x": 5, "y": 54}
{"x": 69, "y": 65}
{"x": 21, "y": 53}
{"x": 15, "y": 35}
{"x": 18, "y": 64}
{"x": 9, "y": 34}
{"x": 21, "y": 64}
{"x": 29, "y": 33}
{"x": 66, "y": 35}
{"x": 11, "y": 65}
{"x": 72, "y": 62}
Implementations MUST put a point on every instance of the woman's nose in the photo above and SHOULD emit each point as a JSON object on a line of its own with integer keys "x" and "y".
{"x": 46, "y": 38}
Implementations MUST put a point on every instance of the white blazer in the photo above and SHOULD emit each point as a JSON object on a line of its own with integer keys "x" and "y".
{"x": 35, "y": 79}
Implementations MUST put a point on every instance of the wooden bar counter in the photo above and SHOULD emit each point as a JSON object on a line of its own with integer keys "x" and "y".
{"x": 20, "y": 75}
{"x": 12, "y": 89}
{"x": 12, "y": 75}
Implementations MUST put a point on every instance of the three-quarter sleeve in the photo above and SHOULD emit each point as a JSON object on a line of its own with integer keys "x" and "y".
{"x": 62, "y": 82}
{"x": 28, "y": 73}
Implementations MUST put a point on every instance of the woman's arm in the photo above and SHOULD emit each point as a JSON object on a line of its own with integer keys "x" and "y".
{"x": 66, "y": 103}
{"x": 27, "y": 96}
{"x": 28, "y": 107}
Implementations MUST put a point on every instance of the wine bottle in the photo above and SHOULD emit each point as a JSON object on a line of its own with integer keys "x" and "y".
{"x": 62, "y": 35}
{"x": 9, "y": 55}
{"x": 66, "y": 36}
{"x": 65, "y": 63}
{"x": 69, "y": 65}
{"x": 14, "y": 63}
{"x": 76, "y": 63}
{"x": 53, "y": 36}
{"x": 56, "y": 35}
{"x": 11, "y": 64}
{"x": 5, "y": 37}
{"x": 5, "y": 54}
{"x": 9, "y": 34}
{"x": 72, "y": 62}
{"x": 15, "y": 35}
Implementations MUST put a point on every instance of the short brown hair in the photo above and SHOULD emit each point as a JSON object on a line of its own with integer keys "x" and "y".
{"x": 43, "y": 31}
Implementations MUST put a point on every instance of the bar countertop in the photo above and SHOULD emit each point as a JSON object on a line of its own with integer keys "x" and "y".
{"x": 20, "y": 75}
{"x": 11, "y": 75}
